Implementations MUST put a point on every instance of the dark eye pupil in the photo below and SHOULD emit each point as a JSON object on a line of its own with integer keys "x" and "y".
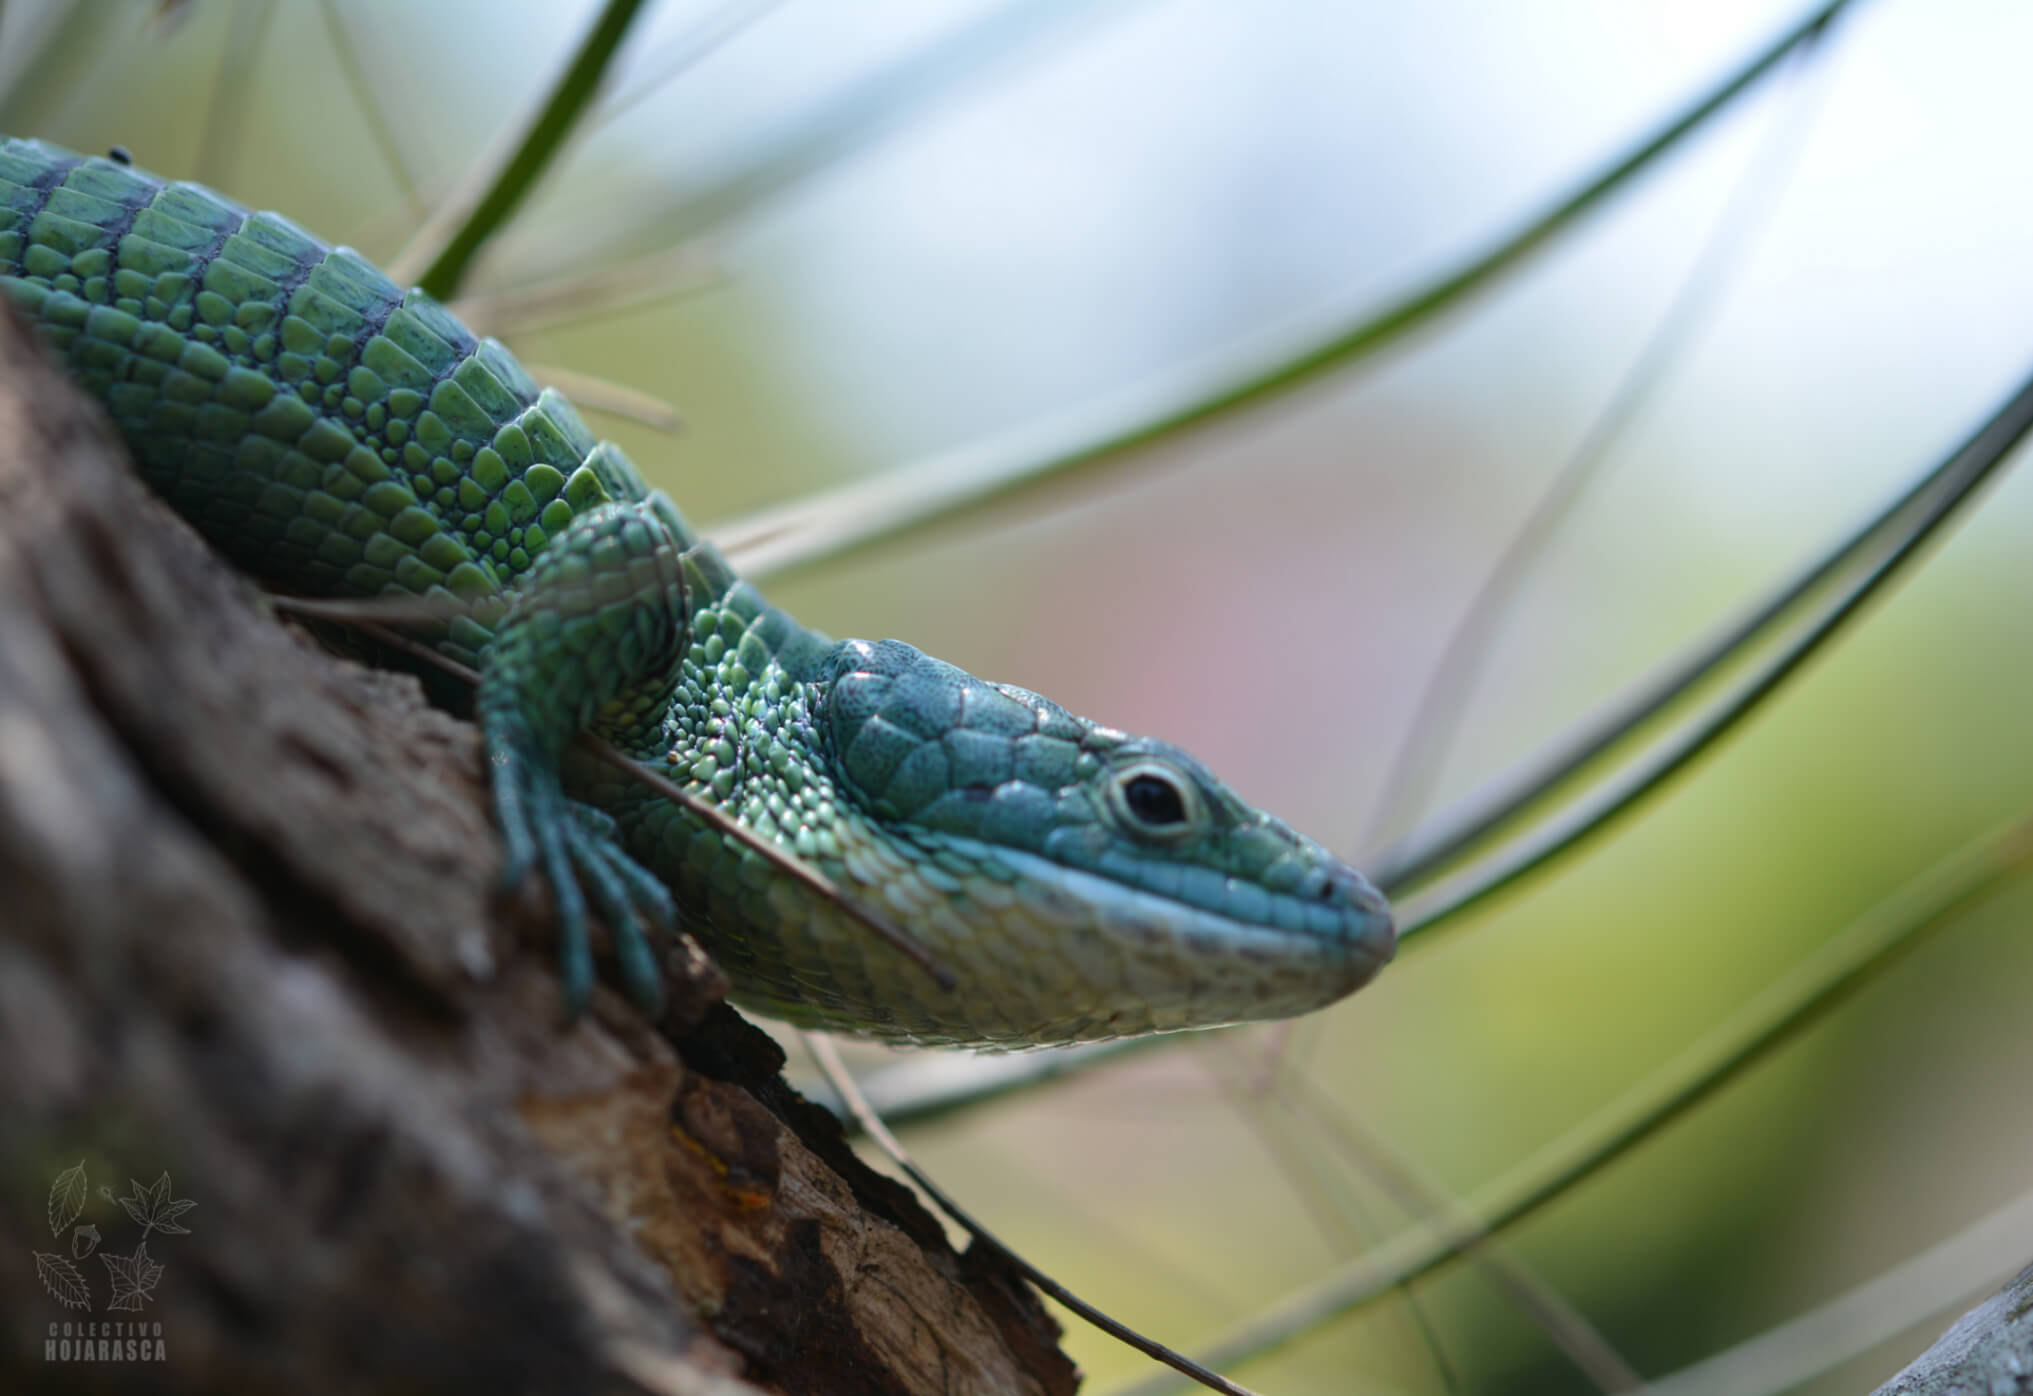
{"x": 1154, "y": 801}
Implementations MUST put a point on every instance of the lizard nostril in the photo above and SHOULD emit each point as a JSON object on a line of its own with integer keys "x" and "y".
{"x": 1338, "y": 883}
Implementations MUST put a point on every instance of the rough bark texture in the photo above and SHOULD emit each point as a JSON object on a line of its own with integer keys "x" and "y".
{"x": 1986, "y": 1352}
{"x": 250, "y": 958}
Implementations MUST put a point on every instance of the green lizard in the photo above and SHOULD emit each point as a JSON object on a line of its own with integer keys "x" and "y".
{"x": 337, "y": 436}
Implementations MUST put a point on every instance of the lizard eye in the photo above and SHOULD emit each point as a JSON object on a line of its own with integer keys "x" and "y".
{"x": 1154, "y": 802}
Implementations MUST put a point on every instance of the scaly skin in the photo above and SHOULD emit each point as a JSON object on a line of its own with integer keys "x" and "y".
{"x": 337, "y": 436}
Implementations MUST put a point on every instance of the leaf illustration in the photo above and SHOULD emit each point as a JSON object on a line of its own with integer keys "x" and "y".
{"x": 134, "y": 1278}
{"x": 67, "y": 1198}
{"x": 62, "y": 1280}
{"x": 84, "y": 1241}
{"x": 154, "y": 1210}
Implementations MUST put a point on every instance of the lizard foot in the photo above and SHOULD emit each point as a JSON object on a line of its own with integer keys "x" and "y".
{"x": 593, "y": 633}
{"x": 578, "y": 850}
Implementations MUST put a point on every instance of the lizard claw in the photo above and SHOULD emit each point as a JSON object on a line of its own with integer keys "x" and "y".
{"x": 628, "y": 897}
{"x": 576, "y": 847}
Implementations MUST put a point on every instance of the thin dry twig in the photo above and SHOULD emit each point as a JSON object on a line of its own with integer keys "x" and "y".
{"x": 827, "y": 1056}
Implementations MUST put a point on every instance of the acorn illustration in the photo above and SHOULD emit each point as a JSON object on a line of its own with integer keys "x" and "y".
{"x": 84, "y": 1241}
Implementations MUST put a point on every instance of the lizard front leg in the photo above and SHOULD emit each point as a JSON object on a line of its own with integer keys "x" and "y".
{"x": 592, "y": 639}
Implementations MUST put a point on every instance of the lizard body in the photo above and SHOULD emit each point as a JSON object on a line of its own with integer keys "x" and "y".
{"x": 338, "y": 436}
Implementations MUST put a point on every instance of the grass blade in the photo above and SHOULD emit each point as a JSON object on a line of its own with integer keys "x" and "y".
{"x": 1320, "y": 1184}
{"x": 952, "y": 64}
{"x": 1443, "y": 701}
{"x": 681, "y": 55}
{"x": 578, "y": 296}
{"x": 1869, "y": 556}
{"x": 827, "y": 1056}
{"x": 380, "y": 131}
{"x": 595, "y": 394}
{"x": 448, "y": 242}
{"x": 232, "y": 86}
{"x": 1802, "y": 1348}
{"x": 853, "y": 516}
{"x": 924, "y": 1086}
{"x": 1501, "y": 1268}
{"x": 48, "y": 61}
{"x": 1875, "y": 553}
{"x": 1797, "y": 1000}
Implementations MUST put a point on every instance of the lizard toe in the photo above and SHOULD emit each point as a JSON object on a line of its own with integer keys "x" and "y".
{"x": 627, "y": 897}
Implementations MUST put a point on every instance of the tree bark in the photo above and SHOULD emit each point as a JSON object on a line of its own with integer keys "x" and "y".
{"x": 251, "y": 959}
{"x": 1986, "y": 1352}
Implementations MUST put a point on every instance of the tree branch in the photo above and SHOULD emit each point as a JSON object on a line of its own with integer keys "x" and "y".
{"x": 1987, "y": 1350}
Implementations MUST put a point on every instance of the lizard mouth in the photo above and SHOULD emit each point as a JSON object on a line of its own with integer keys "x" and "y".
{"x": 1125, "y": 959}
{"x": 1047, "y": 954}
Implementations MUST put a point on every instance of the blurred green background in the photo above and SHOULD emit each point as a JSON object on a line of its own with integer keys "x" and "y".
{"x": 921, "y": 224}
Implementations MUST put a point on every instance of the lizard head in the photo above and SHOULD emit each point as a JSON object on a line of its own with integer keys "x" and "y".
{"x": 1083, "y": 882}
